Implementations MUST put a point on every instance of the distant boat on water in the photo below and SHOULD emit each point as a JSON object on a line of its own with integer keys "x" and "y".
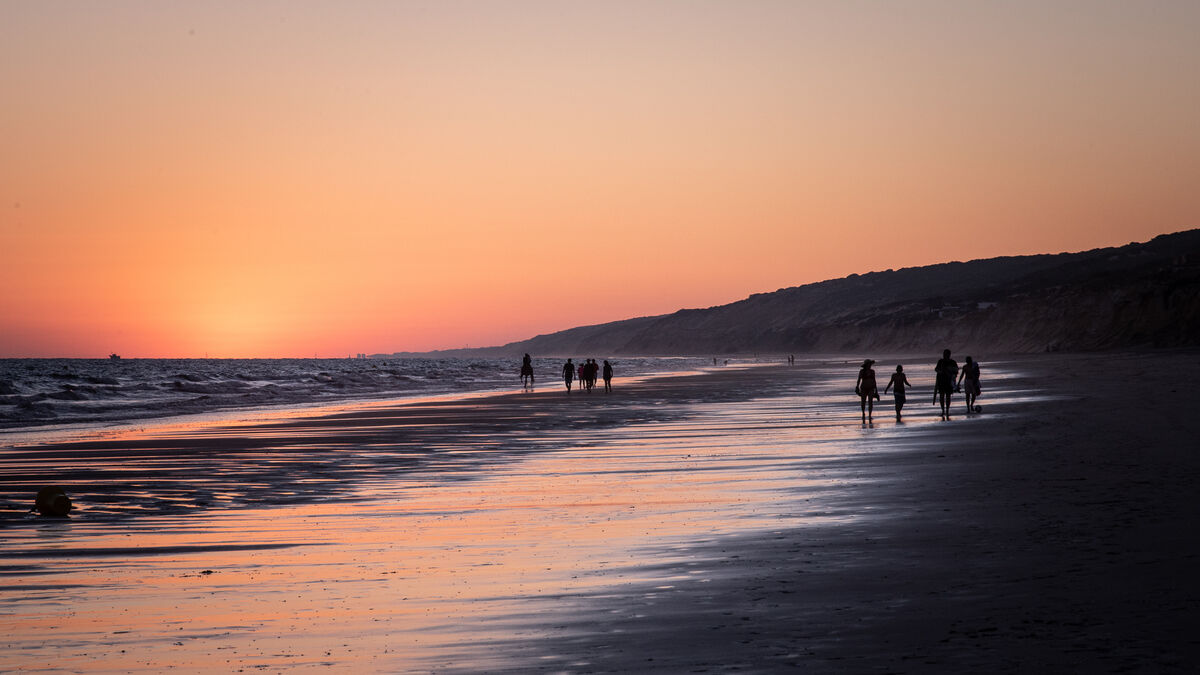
{"x": 114, "y": 357}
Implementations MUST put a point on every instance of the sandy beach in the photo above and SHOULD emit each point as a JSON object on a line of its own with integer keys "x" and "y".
{"x": 736, "y": 520}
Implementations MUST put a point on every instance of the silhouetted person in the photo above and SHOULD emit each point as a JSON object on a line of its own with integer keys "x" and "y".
{"x": 900, "y": 381}
{"x": 527, "y": 372}
{"x": 607, "y": 377}
{"x": 591, "y": 369}
{"x": 970, "y": 380}
{"x": 866, "y": 389}
{"x": 568, "y": 374}
{"x": 946, "y": 370}
{"x": 580, "y": 373}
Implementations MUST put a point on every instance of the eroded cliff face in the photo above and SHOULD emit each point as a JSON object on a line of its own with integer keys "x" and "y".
{"x": 1140, "y": 295}
{"x": 1133, "y": 296}
{"x": 1070, "y": 319}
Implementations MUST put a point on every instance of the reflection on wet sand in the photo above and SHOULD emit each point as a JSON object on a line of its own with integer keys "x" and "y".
{"x": 416, "y": 539}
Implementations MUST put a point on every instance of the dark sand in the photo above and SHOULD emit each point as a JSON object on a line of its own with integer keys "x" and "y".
{"x": 739, "y": 520}
{"x": 1063, "y": 538}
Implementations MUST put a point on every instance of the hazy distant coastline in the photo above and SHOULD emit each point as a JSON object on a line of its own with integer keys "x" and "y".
{"x": 1139, "y": 295}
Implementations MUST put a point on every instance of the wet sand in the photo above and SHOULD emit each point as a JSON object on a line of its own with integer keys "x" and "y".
{"x": 737, "y": 520}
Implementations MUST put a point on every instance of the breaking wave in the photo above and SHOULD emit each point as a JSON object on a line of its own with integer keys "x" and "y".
{"x": 36, "y": 392}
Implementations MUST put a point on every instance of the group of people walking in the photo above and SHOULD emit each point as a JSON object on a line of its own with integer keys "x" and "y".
{"x": 948, "y": 379}
{"x": 585, "y": 372}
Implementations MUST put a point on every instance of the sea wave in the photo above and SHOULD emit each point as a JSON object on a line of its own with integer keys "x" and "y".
{"x": 37, "y": 392}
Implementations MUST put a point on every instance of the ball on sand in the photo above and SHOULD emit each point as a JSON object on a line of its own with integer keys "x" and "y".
{"x": 978, "y": 408}
{"x": 53, "y": 501}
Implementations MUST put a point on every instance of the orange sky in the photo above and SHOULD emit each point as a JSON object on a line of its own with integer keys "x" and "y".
{"x": 290, "y": 179}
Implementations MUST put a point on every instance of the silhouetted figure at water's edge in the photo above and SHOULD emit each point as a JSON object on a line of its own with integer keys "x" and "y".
{"x": 527, "y": 372}
{"x": 590, "y": 369}
{"x": 608, "y": 373}
{"x": 946, "y": 371}
{"x": 970, "y": 383}
{"x": 867, "y": 389}
{"x": 899, "y": 381}
{"x": 568, "y": 373}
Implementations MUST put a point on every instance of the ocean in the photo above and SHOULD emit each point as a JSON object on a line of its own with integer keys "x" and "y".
{"x": 40, "y": 392}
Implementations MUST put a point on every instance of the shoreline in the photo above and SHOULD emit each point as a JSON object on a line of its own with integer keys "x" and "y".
{"x": 228, "y": 437}
{"x": 54, "y": 432}
{"x": 738, "y": 519}
{"x": 76, "y": 395}
{"x": 1058, "y": 540}
{"x": 44, "y": 432}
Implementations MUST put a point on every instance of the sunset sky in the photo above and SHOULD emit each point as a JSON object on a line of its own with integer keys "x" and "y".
{"x": 300, "y": 178}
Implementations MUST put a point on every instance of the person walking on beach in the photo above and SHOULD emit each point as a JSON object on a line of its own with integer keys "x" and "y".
{"x": 590, "y": 372}
{"x": 970, "y": 379}
{"x": 568, "y": 374}
{"x": 607, "y": 377}
{"x": 866, "y": 389}
{"x": 946, "y": 371}
{"x": 582, "y": 375}
{"x": 900, "y": 381}
{"x": 527, "y": 372}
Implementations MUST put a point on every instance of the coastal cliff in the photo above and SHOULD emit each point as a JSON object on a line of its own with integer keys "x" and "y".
{"x": 1139, "y": 295}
